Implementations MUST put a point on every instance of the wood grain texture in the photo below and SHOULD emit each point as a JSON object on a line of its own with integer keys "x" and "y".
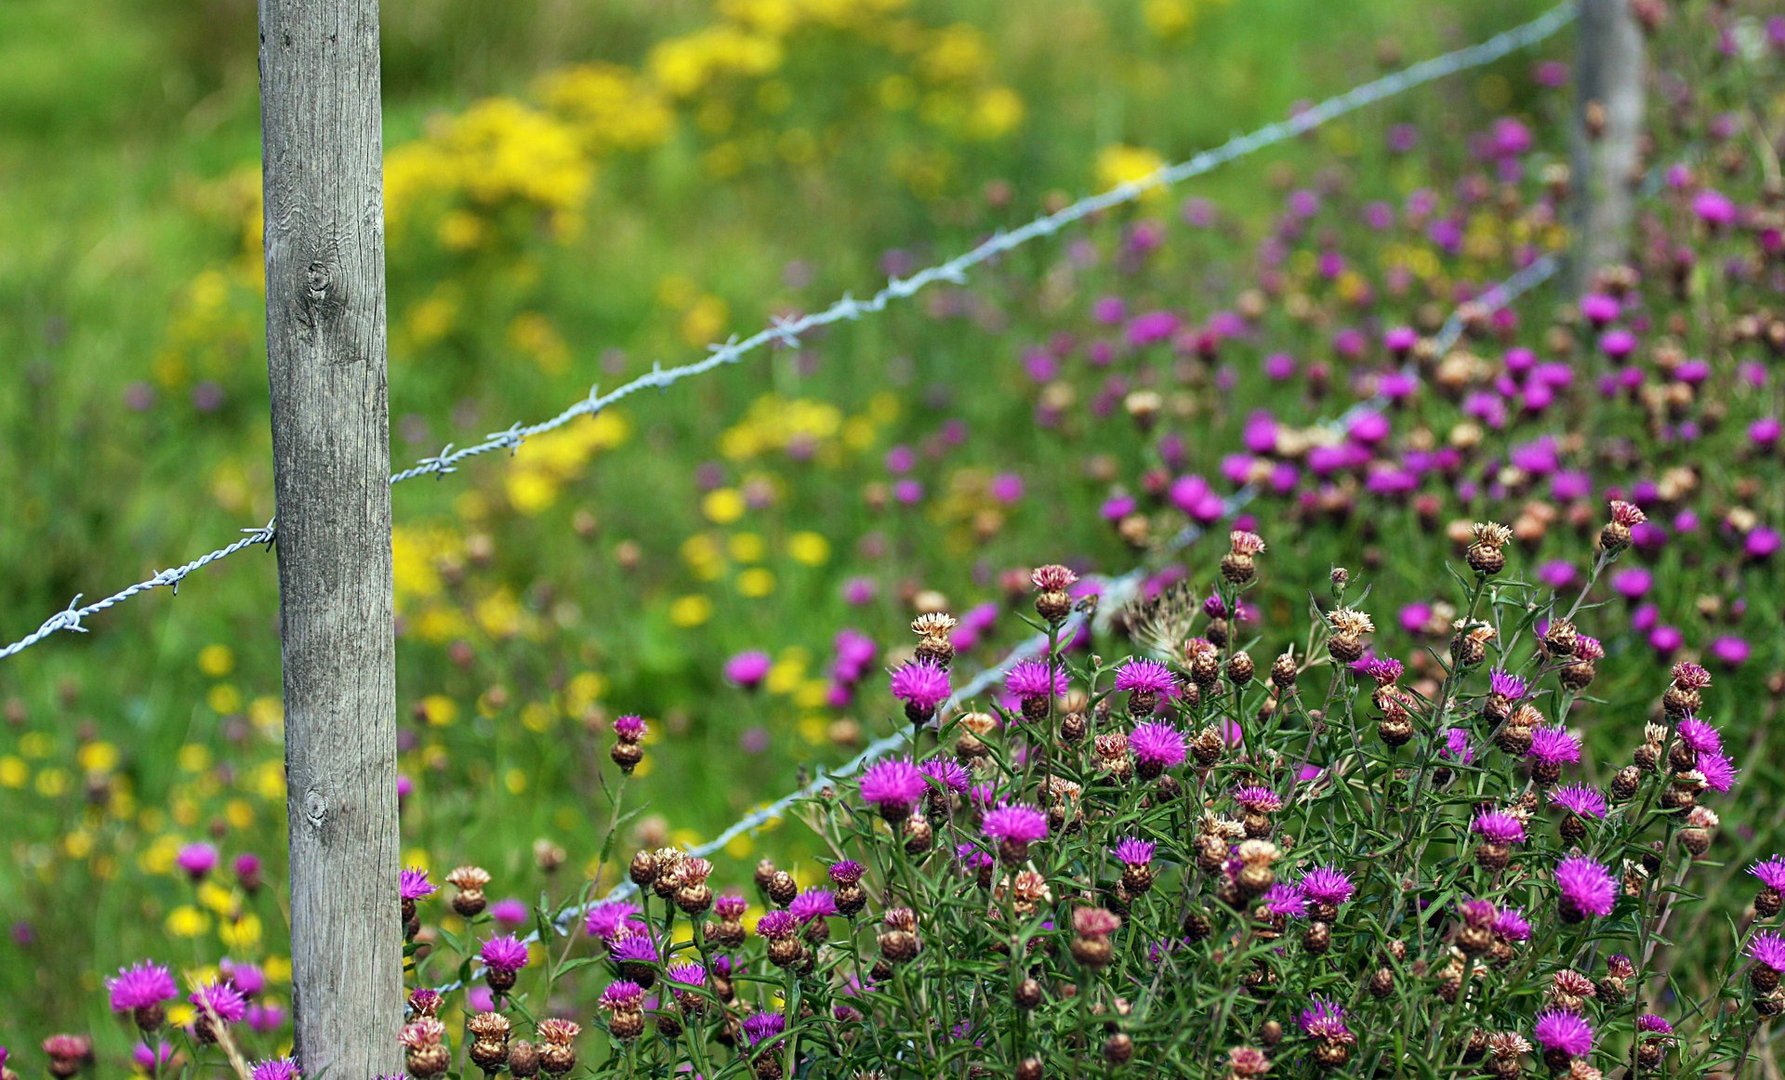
{"x": 322, "y": 178}
{"x": 1611, "y": 63}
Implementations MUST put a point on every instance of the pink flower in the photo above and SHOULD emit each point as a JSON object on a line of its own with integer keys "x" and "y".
{"x": 141, "y": 987}
{"x": 748, "y": 669}
{"x": 920, "y": 684}
{"x": 1146, "y": 676}
{"x": 413, "y": 884}
{"x": 1554, "y": 746}
{"x": 895, "y": 784}
{"x": 622, "y": 995}
{"x": 1159, "y": 744}
{"x": 221, "y": 998}
{"x": 1768, "y": 949}
{"x": 1579, "y": 799}
{"x": 1558, "y": 1029}
{"x": 1771, "y": 873}
{"x": 1035, "y": 679}
{"x": 505, "y": 953}
{"x": 1498, "y": 827}
{"x": 1015, "y": 824}
{"x": 1587, "y": 887}
{"x": 1327, "y": 885}
{"x": 274, "y": 1069}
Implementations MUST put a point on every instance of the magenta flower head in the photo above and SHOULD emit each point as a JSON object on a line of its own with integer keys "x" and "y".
{"x": 760, "y": 1027}
{"x": 1650, "y": 1024}
{"x": 632, "y": 948}
{"x": 622, "y": 995}
{"x": 631, "y": 728}
{"x": 813, "y": 904}
{"x": 413, "y": 884}
{"x": 274, "y": 1069}
{"x": 1581, "y": 800}
{"x": 1587, "y": 888}
{"x": 1564, "y": 1032}
{"x": 846, "y": 872}
{"x": 197, "y": 860}
{"x": 893, "y": 787}
{"x": 1258, "y": 798}
{"x": 922, "y": 686}
{"x": 1718, "y": 769}
{"x": 1286, "y": 900}
{"x": 1700, "y": 737}
{"x": 730, "y": 906}
{"x": 1325, "y": 1020}
{"x": 1506, "y": 685}
{"x": 1157, "y": 747}
{"x": 748, "y": 669}
{"x": 1382, "y": 669}
{"x": 1498, "y": 827}
{"x": 1771, "y": 873}
{"x": 1146, "y": 676}
{"x": 1327, "y": 885}
{"x": 1134, "y": 851}
{"x": 1014, "y": 827}
{"x": 948, "y": 774}
{"x": 220, "y": 999}
{"x": 1554, "y": 746}
{"x": 611, "y": 919}
{"x": 505, "y": 953}
{"x": 1512, "y": 925}
{"x": 1035, "y": 680}
{"x": 1768, "y": 950}
{"x": 142, "y": 989}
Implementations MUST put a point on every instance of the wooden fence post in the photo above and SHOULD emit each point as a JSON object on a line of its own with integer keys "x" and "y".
{"x": 322, "y": 178}
{"x": 1610, "y": 66}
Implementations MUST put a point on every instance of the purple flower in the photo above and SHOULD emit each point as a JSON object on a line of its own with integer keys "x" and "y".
{"x": 509, "y": 912}
{"x": 196, "y": 859}
{"x": 1015, "y": 824}
{"x": 1587, "y": 887}
{"x": 633, "y": 948}
{"x": 1554, "y": 746}
{"x": 1511, "y": 924}
{"x": 846, "y": 871}
{"x": 1771, "y": 873}
{"x": 948, "y": 774}
{"x": 141, "y": 987}
{"x": 921, "y": 685}
{"x": 1325, "y": 1019}
{"x": 1498, "y": 827}
{"x": 748, "y": 669}
{"x": 1258, "y": 798}
{"x": 1768, "y": 948}
{"x": 813, "y": 904}
{"x": 1035, "y": 679}
{"x": 622, "y": 995}
{"x": 1286, "y": 900}
{"x": 759, "y": 1027}
{"x": 1456, "y": 745}
{"x": 1649, "y": 1023}
{"x": 1146, "y": 676}
{"x": 1558, "y": 1029}
{"x": 1134, "y": 851}
{"x": 688, "y": 973}
{"x": 1327, "y": 885}
{"x": 1718, "y": 769}
{"x": 895, "y": 784}
{"x": 630, "y": 727}
{"x": 505, "y": 953}
{"x": 1699, "y": 736}
{"x": 274, "y": 1069}
{"x": 1382, "y": 669}
{"x": 1507, "y": 685}
{"x": 1158, "y": 744}
{"x": 611, "y": 919}
{"x": 248, "y": 978}
{"x": 221, "y": 998}
{"x": 1581, "y": 800}
{"x": 413, "y": 884}
{"x": 776, "y": 925}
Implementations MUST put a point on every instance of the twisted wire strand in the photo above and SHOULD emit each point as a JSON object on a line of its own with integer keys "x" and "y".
{"x": 788, "y": 331}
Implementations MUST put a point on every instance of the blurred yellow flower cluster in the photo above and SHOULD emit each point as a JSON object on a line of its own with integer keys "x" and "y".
{"x": 815, "y": 430}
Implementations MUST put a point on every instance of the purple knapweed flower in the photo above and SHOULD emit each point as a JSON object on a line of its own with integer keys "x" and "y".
{"x": 274, "y": 1069}
{"x": 1699, "y": 736}
{"x": 1512, "y": 925}
{"x": 1015, "y": 824}
{"x": 612, "y": 918}
{"x": 1554, "y": 746}
{"x": 1140, "y": 674}
{"x": 1768, "y": 949}
{"x": 1564, "y": 1031}
{"x": 1718, "y": 769}
{"x": 813, "y": 904}
{"x": 1133, "y": 851}
{"x": 846, "y": 872}
{"x": 1258, "y": 798}
{"x": 505, "y": 953}
{"x": 1771, "y": 873}
{"x": 622, "y": 995}
{"x": 1456, "y": 745}
{"x": 1498, "y": 827}
{"x": 1158, "y": 745}
{"x": 142, "y": 986}
{"x": 921, "y": 685}
{"x": 196, "y": 859}
{"x": 948, "y": 774}
{"x": 1325, "y": 1019}
{"x": 633, "y": 948}
{"x": 893, "y": 786}
{"x": 1035, "y": 679}
{"x": 748, "y": 669}
{"x": 1581, "y": 800}
{"x": 1286, "y": 900}
{"x": 1587, "y": 887}
{"x": 1327, "y": 885}
{"x": 413, "y": 884}
{"x": 759, "y": 1027}
{"x": 221, "y": 999}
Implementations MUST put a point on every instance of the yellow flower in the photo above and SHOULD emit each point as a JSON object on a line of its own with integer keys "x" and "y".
{"x": 439, "y": 710}
{"x": 756, "y": 583}
{"x": 704, "y": 321}
{"x": 722, "y": 506}
{"x": 216, "y": 660}
{"x": 194, "y": 757}
{"x": 996, "y": 112}
{"x": 808, "y": 548}
{"x": 746, "y": 547}
{"x": 690, "y": 611}
{"x": 52, "y": 782}
{"x": 224, "y": 699}
{"x": 516, "y": 781}
{"x": 97, "y": 757}
{"x": 14, "y": 773}
{"x": 187, "y": 921}
{"x": 242, "y": 934}
{"x": 1120, "y": 164}
{"x": 1168, "y": 18}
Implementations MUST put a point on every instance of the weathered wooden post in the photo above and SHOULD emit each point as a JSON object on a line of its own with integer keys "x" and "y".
{"x": 1610, "y": 62}
{"x": 322, "y": 178}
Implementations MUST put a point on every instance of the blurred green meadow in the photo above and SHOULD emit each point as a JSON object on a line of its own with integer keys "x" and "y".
{"x": 576, "y": 190}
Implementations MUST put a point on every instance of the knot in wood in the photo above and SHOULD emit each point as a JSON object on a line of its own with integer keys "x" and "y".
{"x": 317, "y": 280}
{"x": 316, "y": 807}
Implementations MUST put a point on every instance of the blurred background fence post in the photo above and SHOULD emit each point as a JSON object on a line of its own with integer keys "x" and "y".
{"x": 1610, "y": 68}
{"x": 326, "y": 364}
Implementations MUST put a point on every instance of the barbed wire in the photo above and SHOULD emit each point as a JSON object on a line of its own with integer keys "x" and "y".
{"x": 788, "y": 330}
